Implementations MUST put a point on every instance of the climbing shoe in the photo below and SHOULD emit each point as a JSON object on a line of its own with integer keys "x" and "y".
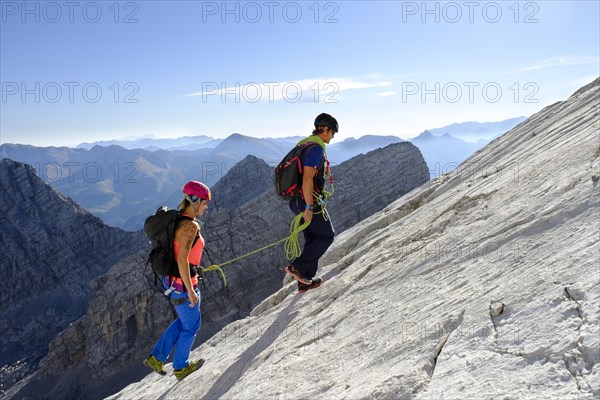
{"x": 315, "y": 283}
{"x": 155, "y": 364}
{"x": 297, "y": 275}
{"x": 191, "y": 367}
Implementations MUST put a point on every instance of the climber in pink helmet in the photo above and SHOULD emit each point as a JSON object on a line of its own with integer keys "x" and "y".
{"x": 185, "y": 296}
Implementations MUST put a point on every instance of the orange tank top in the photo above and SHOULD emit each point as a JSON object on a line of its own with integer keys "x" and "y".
{"x": 195, "y": 255}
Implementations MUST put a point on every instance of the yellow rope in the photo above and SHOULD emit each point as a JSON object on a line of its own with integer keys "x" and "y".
{"x": 292, "y": 247}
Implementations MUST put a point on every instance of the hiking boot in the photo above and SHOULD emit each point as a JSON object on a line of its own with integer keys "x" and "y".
{"x": 297, "y": 275}
{"x": 315, "y": 283}
{"x": 191, "y": 367}
{"x": 155, "y": 364}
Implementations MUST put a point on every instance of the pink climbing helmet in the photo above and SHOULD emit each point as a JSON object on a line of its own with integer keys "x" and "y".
{"x": 195, "y": 190}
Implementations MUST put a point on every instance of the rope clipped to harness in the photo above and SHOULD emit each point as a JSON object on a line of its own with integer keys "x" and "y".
{"x": 325, "y": 195}
{"x": 327, "y": 174}
{"x": 217, "y": 268}
{"x": 292, "y": 247}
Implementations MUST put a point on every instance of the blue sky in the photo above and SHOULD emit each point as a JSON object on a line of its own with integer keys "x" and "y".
{"x": 86, "y": 71}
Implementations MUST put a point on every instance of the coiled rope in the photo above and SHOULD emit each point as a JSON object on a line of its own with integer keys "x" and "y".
{"x": 291, "y": 247}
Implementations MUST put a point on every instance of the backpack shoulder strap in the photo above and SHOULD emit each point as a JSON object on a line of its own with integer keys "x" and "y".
{"x": 306, "y": 148}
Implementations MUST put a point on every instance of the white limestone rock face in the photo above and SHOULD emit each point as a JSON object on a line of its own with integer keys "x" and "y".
{"x": 481, "y": 284}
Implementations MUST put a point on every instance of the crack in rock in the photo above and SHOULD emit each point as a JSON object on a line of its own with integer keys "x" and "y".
{"x": 575, "y": 360}
{"x": 497, "y": 308}
{"x": 442, "y": 343}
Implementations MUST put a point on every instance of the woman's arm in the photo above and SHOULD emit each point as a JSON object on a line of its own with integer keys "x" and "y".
{"x": 185, "y": 235}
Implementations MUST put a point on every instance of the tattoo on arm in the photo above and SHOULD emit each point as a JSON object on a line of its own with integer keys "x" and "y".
{"x": 188, "y": 234}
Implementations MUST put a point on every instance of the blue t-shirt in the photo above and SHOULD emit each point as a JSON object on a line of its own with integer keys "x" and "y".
{"x": 313, "y": 157}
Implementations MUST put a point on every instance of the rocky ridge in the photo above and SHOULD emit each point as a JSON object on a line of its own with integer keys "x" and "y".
{"x": 51, "y": 251}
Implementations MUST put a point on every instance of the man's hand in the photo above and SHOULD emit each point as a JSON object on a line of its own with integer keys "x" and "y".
{"x": 308, "y": 214}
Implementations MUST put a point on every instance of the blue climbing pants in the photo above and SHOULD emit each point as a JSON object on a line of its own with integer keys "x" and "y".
{"x": 180, "y": 334}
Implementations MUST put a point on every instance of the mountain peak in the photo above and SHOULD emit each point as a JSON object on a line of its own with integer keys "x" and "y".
{"x": 7, "y": 164}
{"x": 252, "y": 174}
{"x": 237, "y": 136}
{"x": 425, "y": 135}
{"x": 237, "y": 146}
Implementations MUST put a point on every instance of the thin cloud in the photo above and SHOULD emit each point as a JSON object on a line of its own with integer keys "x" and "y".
{"x": 274, "y": 91}
{"x": 386, "y": 94}
{"x": 559, "y": 62}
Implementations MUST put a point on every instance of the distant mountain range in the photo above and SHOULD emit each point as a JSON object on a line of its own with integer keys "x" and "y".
{"x": 444, "y": 153}
{"x": 476, "y": 131}
{"x": 468, "y": 131}
{"x": 124, "y": 181}
{"x": 152, "y": 143}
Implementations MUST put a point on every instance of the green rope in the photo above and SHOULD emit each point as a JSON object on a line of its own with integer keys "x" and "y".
{"x": 217, "y": 268}
{"x": 292, "y": 247}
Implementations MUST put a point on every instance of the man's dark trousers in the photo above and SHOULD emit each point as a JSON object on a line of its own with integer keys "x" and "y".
{"x": 318, "y": 236}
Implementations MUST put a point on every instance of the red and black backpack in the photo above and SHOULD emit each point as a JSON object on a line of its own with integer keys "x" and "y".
{"x": 288, "y": 173}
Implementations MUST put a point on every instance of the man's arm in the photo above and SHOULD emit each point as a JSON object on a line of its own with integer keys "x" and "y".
{"x": 308, "y": 186}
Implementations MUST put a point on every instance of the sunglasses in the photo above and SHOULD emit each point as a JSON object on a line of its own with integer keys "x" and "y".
{"x": 194, "y": 199}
